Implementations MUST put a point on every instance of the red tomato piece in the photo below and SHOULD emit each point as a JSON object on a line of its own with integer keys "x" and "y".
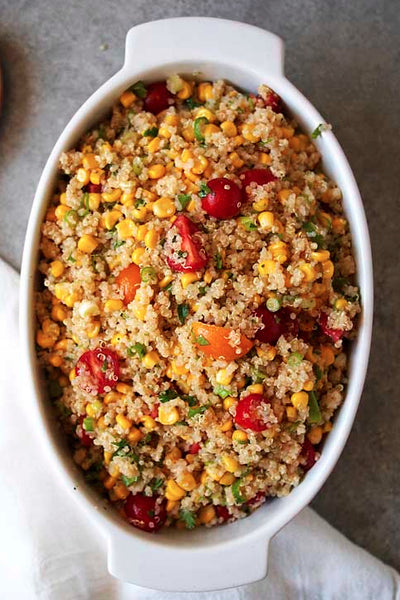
{"x": 224, "y": 200}
{"x": 94, "y": 188}
{"x": 194, "y": 448}
{"x": 154, "y": 412}
{"x": 256, "y": 499}
{"x": 145, "y": 512}
{"x": 129, "y": 281}
{"x": 273, "y": 101}
{"x": 157, "y": 97}
{"x": 190, "y": 254}
{"x": 308, "y": 453}
{"x": 258, "y": 176}
{"x": 98, "y": 370}
{"x": 249, "y": 414}
{"x": 223, "y": 513}
{"x": 334, "y": 334}
{"x": 85, "y": 438}
{"x": 276, "y": 324}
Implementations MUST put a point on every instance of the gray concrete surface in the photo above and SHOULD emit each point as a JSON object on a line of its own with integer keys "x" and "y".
{"x": 345, "y": 57}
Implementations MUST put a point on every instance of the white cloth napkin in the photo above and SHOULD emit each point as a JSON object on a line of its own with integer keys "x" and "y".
{"x": 49, "y": 551}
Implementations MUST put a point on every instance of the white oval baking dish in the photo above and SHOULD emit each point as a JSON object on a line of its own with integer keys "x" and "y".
{"x": 235, "y": 554}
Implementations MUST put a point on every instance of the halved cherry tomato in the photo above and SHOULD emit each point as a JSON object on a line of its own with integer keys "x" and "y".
{"x": 190, "y": 254}
{"x": 98, "y": 370}
{"x": 129, "y": 281}
{"x": 145, "y": 512}
{"x": 214, "y": 341}
{"x": 223, "y": 513}
{"x": 85, "y": 438}
{"x": 273, "y": 101}
{"x": 258, "y": 176}
{"x": 224, "y": 200}
{"x": 334, "y": 334}
{"x": 308, "y": 453}
{"x": 94, "y": 188}
{"x": 157, "y": 97}
{"x": 249, "y": 414}
{"x": 275, "y": 324}
{"x": 194, "y": 448}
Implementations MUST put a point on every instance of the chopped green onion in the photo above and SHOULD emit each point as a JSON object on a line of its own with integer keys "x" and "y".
{"x": 201, "y": 341}
{"x": 295, "y": 359}
{"x": 314, "y": 413}
{"x": 273, "y": 304}
{"x": 137, "y": 166}
{"x": 71, "y": 217}
{"x": 139, "y": 89}
{"x": 71, "y": 259}
{"x": 221, "y": 391}
{"x": 191, "y": 103}
{"x": 148, "y": 275}
{"x": 138, "y": 348}
{"x": 183, "y": 312}
{"x": 167, "y": 395}
{"x": 317, "y": 131}
{"x": 318, "y": 372}
{"x": 197, "y": 125}
{"x": 204, "y": 190}
{"x": 88, "y": 424}
{"x": 235, "y": 487}
{"x": 248, "y": 223}
{"x": 218, "y": 261}
{"x": 183, "y": 201}
{"x": 127, "y": 481}
{"x": 258, "y": 376}
{"x": 151, "y": 132}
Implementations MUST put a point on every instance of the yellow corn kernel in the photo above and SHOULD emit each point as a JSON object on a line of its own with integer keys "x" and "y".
{"x": 93, "y": 330}
{"x": 186, "y": 90}
{"x": 230, "y": 463}
{"x": 308, "y": 271}
{"x": 166, "y": 281}
{"x": 339, "y": 225}
{"x": 110, "y": 218}
{"x": 94, "y": 200}
{"x": 247, "y": 133}
{"x": 256, "y": 388}
{"x": 223, "y": 377}
{"x": 72, "y": 374}
{"x": 203, "y": 477}
{"x": 291, "y": 413}
{"x": 121, "y": 491}
{"x": 117, "y": 339}
{"x": 229, "y": 128}
{"x": 328, "y": 427}
{"x": 172, "y": 119}
{"x": 264, "y": 158}
{"x": 61, "y": 211}
{"x": 63, "y": 198}
{"x": 110, "y": 482}
{"x": 174, "y": 454}
{"x": 186, "y": 481}
{"x": 127, "y": 98}
{"x": 123, "y": 421}
{"x": 140, "y": 312}
{"x": 164, "y": 132}
{"x": 55, "y": 360}
{"x": 171, "y": 505}
{"x": 87, "y": 243}
{"x": 236, "y": 160}
{"x": 239, "y": 436}
{"x": 154, "y": 145}
{"x": 227, "y": 479}
{"x": 135, "y": 435}
{"x": 226, "y": 425}
{"x": 320, "y": 255}
{"x": 206, "y": 514}
{"x": 266, "y": 267}
{"x": 327, "y": 356}
{"x": 238, "y": 141}
{"x": 168, "y": 415}
{"x": 139, "y": 213}
{"x": 205, "y": 112}
{"x": 328, "y": 269}
{"x": 126, "y": 229}
{"x": 156, "y": 171}
{"x": 83, "y": 176}
{"x": 192, "y": 176}
{"x": 89, "y": 161}
{"x": 164, "y": 207}
{"x": 200, "y": 165}
{"x": 188, "y": 134}
{"x": 112, "y": 196}
{"x": 205, "y": 91}
{"x": 300, "y": 400}
{"x": 210, "y": 129}
{"x": 92, "y": 409}
{"x": 287, "y": 132}
{"x": 96, "y": 176}
{"x": 138, "y": 255}
{"x": 178, "y": 369}
{"x": 315, "y": 435}
{"x": 174, "y": 491}
{"x": 113, "y": 304}
{"x": 341, "y": 304}
{"x": 107, "y": 457}
{"x": 188, "y": 278}
{"x": 148, "y": 422}
{"x": 123, "y": 388}
{"x": 151, "y": 239}
{"x": 261, "y": 205}
{"x": 127, "y": 198}
{"x": 283, "y": 195}
{"x": 100, "y": 423}
{"x": 59, "y": 313}
{"x": 228, "y": 402}
{"x": 266, "y": 219}
{"x": 57, "y": 268}
{"x": 151, "y": 359}
{"x": 141, "y": 233}
{"x": 308, "y": 385}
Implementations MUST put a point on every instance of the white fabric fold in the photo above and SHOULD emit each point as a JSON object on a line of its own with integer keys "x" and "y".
{"x": 49, "y": 550}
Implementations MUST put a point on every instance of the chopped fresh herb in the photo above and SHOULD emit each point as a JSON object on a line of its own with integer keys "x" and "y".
{"x": 248, "y": 223}
{"x": 204, "y": 190}
{"x": 314, "y": 413}
{"x": 140, "y": 202}
{"x": 104, "y": 366}
{"x": 127, "y": 481}
{"x": 318, "y": 372}
{"x": 117, "y": 243}
{"x": 291, "y": 427}
{"x": 191, "y": 103}
{"x": 221, "y": 391}
{"x": 88, "y": 424}
{"x": 197, "y": 128}
{"x": 183, "y": 201}
{"x": 265, "y": 142}
{"x": 55, "y": 389}
{"x": 203, "y": 290}
{"x": 183, "y": 312}
{"x": 71, "y": 259}
{"x": 218, "y": 261}
{"x": 148, "y": 275}
{"x": 151, "y": 132}
{"x": 273, "y": 304}
{"x": 258, "y": 376}
{"x": 188, "y": 518}
{"x": 124, "y": 449}
{"x": 181, "y": 423}
{"x": 198, "y": 410}
{"x": 317, "y": 131}
{"x": 156, "y": 483}
{"x": 167, "y": 395}
{"x": 295, "y": 359}
{"x": 137, "y": 166}
{"x": 311, "y": 232}
{"x": 191, "y": 400}
{"x": 139, "y": 89}
{"x": 235, "y": 487}
{"x": 138, "y": 348}
{"x": 201, "y": 341}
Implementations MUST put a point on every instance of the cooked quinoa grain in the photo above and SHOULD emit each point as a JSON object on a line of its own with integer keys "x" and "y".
{"x": 198, "y": 302}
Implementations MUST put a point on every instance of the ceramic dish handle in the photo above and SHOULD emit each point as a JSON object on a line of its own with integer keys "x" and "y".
{"x": 202, "y": 40}
{"x": 186, "y": 568}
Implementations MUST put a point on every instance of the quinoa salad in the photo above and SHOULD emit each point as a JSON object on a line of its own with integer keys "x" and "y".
{"x": 198, "y": 302}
